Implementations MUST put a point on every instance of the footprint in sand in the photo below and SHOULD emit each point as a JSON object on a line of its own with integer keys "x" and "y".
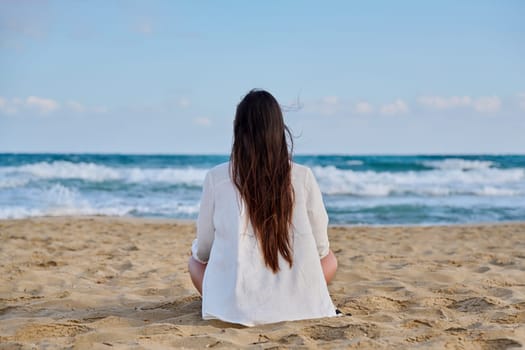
{"x": 415, "y": 323}
{"x": 292, "y": 339}
{"x": 50, "y": 263}
{"x": 330, "y": 333}
{"x": 456, "y": 330}
{"x": 327, "y": 333}
{"x": 499, "y": 344}
{"x": 475, "y": 304}
{"x": 482, "y": 269}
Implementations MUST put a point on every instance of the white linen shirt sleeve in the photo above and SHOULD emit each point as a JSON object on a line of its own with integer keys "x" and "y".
{"x": 317, "y": 214}
{"x": 201, "y": 246}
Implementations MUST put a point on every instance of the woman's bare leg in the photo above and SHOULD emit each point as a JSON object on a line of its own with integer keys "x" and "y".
{"x": 329, "y": 265}
{"x": 196, "y": 270}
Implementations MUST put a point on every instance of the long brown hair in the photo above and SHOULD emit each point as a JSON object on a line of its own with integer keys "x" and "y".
{"x": 261, "y": 170}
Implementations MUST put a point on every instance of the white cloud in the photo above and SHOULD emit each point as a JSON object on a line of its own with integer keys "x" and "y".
{"x": 487, "y": 104}
{"x": 75, "y": 106}
{"x": 202, "y": 121}
{"x": 439, "y": 102}
{"x": 17, "y": 101}
{"x": 100, "y": 109}
{"x": 78, "y": 107}
{"x": 7, "y": 107}
{"x": 483, "y": 104}
{"x": 42, "y": 105}
{"x": 328, "y": 105}
{"x": 396, "y": 107}
{"x": 363, "y": 107}
{"x": 183, "y": 102}
{"x": 3, "y": 104}
{"x": 330, "y": 100}
{"x": 16, "y": 105}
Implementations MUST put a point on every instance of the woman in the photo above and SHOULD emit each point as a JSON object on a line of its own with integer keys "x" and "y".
{"x": 262, "y": 253}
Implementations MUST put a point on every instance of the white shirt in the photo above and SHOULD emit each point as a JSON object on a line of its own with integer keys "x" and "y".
{"x": 237, "y": 286}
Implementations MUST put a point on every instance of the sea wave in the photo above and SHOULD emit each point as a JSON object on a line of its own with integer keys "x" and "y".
{"x": 458, "y": 164}
{"x": 373, "y": 189}
{"x": 58, "y": 200}
{"x": 439, "y": 182}
{"x": 11, "y": 182}
{"x": 99, "y": 173}
{"x": 20, "y": 212}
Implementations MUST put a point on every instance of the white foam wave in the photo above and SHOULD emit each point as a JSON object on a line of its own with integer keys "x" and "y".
{"x": 22, "y": 194}
{"x": 68, "y": 170}
{"x": 11, "y": 182}
{"x": 495, "y": 191}
{"x": 22, "y": 212}
{"x": 59, "y": 200}
{"x": 189, "y": 176}
{"x": 61, "y": 196}
{"x": 482, "y": 182}
{"x": 99, "y": 173}
{"x": 167, "y": 210}
{"x": 19, "y": 212}
{"x": 458, "y": 164}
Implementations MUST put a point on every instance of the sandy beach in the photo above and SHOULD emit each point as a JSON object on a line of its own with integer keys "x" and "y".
{"x": 113, "y": 283}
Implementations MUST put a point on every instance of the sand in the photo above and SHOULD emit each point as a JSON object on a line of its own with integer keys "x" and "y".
{"x": 114, "y": 283}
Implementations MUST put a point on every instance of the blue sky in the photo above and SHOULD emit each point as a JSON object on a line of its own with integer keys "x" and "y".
{"x": 354, "y": 77}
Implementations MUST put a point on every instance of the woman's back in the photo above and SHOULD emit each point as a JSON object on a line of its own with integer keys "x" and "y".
{"x": 238, "y": 286}
{"x": 262, "y": 227}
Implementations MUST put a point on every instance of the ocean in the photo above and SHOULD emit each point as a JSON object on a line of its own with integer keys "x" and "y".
{"x": 357, "y": 190}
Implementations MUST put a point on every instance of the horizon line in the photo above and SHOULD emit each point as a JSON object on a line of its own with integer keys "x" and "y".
{"x": 293, "y": 154}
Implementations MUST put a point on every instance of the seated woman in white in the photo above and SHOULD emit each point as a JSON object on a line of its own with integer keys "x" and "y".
{"x": 262, "y": 253}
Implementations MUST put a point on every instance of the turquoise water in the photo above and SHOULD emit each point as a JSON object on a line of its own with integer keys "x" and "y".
{"x": 383, "y": 190}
